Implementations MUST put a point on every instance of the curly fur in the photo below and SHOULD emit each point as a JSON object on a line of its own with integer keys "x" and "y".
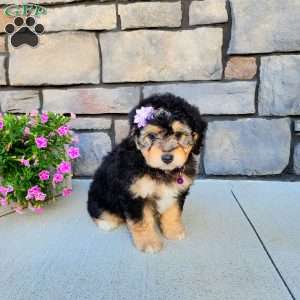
{"x": 110, "y": 190}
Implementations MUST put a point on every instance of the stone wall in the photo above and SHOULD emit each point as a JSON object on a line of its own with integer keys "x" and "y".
{"x": 239, "y": 62}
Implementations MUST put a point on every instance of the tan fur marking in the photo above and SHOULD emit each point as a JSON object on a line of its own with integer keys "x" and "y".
{"x": 143, "y": 233}
{"x": 167, "y": 195}
{"x": 108, "y": 221}
{"x": 195, "y": 136}
{"x": 164, "y": 194}
{"x": 180, "y": 127}
{"x": 171, "y": 224}
{"x": 151, "y": 129}
{"x": 146, "y": 187}
{"x": 143, "y": 187}
{"x": 153, "y": 156}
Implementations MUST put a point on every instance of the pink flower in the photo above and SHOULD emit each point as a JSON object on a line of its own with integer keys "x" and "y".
{"x": 144, "y": 114}
{"x": 73, "y": 116}
{"x": 58, "y": 177}
{"x": 1, "y": 124}
{"x": 35, "y": 193}
{"x": 40, "y": 196}
{"x": 64, "y": 167}
{"x": 67, "y": 192}
{"x": 44, "y": 175}
{"x": 38, "y": 210}
{"x": 63, "y": 130}
{"x": 41, "y": 142}
{"x": 19, "y": 210}
{"x": 44, "y": 118}
{"x": 26, "y": 131}
{"x": 3, "y": 190}
{"x": 36, "y": 188}
{"x": 73, "y": 152}
{"x": 32, "y": 192}
{"x": 34, "y": 113}
{"x": 25, "y": 162}
{"x": 3, "y": 202}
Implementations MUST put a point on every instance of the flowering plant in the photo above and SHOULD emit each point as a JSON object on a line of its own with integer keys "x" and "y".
{"x": 34, "y": 159}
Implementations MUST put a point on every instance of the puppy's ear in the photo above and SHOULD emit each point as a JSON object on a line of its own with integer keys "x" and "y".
{"x": 137, "y": 143}
{"x": 134, "y": 136}
{"x": 199, "y": 135}
{"x": 199, "y": 126}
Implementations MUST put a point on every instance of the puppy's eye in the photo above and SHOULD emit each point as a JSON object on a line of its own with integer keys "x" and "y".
{"x": 152, "y": 136}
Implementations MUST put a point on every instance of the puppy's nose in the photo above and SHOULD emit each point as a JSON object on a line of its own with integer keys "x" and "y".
{"x": 167, "y": 158}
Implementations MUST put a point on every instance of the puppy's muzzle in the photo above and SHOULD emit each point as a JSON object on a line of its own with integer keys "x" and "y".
{"x": 167, "y": 158}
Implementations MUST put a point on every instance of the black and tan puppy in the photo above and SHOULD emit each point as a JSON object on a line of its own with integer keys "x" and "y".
{"x": 149, "y": 174}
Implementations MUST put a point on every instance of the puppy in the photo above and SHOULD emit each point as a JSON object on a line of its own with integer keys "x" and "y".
{"x": 148, "y": 175}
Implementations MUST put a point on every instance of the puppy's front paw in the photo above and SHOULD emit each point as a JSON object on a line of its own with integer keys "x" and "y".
{"x": 171, "y": 223}
{"x": 175, "y": 232}
{"x": 148, "y": 244}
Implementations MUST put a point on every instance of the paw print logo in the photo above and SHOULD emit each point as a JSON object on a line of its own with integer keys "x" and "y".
{"x": 24, "y": 33}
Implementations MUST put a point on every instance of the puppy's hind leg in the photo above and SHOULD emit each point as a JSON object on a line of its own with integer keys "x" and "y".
{"x": 108, "y": 221}
{"x": 105, "y": 220}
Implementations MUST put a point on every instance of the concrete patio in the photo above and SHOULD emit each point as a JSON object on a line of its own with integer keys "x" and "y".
{"x": 243, "y": 243}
